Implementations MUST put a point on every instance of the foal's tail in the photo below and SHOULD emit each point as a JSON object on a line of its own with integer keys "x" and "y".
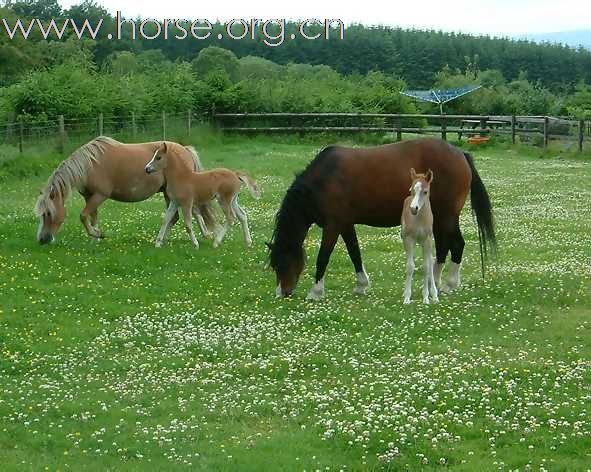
{"x": 250, "y": 184}
{"x": 482, "y": 208}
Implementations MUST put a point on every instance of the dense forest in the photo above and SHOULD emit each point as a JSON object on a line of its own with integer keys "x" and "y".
{"x": 365, "y": 71}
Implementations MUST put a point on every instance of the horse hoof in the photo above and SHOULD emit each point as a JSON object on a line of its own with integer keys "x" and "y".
{"x": 249, "y": 243}
{"x": 314, "y": 296}
{"x": 361, "y": 291}
{"x": 407, "y": 301}
{"x": 426, "y": 301}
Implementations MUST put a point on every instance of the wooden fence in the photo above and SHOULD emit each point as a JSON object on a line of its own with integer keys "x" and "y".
{"x": 537, "y": 129}
{"x": 545, "y": 127}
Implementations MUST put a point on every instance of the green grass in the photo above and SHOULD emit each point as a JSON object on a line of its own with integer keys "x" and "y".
{"x": 119, "y": 356}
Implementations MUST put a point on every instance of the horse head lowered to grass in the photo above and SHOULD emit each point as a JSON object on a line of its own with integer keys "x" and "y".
{"x": 343, "y": 187}
{"x": 105, "y": 169}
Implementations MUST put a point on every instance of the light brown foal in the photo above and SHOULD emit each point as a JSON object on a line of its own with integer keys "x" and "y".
{"x": 417, "y": 226}
{"x": 189, "y": 190}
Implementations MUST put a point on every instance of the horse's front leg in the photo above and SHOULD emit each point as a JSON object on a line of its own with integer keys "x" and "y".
{"x": 429, "y": 267}
{"x": 352, "y": 243}
{"x": 86, "y": 215}
{"x": 187, "y": 215}
{"x": 329, "y": 239}
{"x": 409, "y": 247}
{"x": 167, "y": 223}
{"x": 428, "y": 279}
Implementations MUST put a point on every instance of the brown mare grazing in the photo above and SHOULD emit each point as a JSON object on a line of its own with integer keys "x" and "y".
{"x": 417, "y": 226}
{"x": 343, "y": 187}
{"x": 189, "y": 190}
{"x": 104, "y": 169}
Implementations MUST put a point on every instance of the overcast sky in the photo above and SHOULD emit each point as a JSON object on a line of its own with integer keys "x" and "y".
{"x": 497, "y": 17}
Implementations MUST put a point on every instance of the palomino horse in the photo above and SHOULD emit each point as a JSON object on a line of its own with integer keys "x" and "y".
{"x": 417, "y": 226}
{"x": 190, "y": 190}
{"x": 103, "y": 169}
{"x": 343, "y": 187}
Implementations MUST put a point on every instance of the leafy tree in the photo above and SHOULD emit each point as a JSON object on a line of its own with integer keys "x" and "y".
{"x": 214, "y": 59}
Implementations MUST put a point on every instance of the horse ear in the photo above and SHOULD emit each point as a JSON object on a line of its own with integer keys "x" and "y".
{"x": 413, "y": 173}
{"x": 429, "y": 176}
{"x": 164, "y": 147}
{"x": 52, "y": 192}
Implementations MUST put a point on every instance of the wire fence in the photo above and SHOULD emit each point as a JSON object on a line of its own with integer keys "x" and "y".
{"x": 23, "y": 134}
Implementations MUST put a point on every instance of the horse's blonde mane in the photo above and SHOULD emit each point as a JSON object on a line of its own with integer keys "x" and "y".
{"x": 198, "y": 166}
{"x": 71, "y": 173}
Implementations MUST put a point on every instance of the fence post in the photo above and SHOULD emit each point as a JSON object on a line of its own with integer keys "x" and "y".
{"x": 189, "y": 116}
{"x": 62, "y": 127}
{"x": 513, "y": 129}
{"x": 101, "y": 122}
{"x": 546, "y": 131}
{"x": 399, "y": 130}
{"x": 164, "y": 125}
{"x": 581, "y": 134}
{"x": 443, "y": 128}
{"x": 21, "y": 136}
{"x": 133, "y": 125}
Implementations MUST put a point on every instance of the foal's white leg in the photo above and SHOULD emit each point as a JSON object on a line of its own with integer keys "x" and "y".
{"x": 427, "y": 269}
{"x": 187, "y": 211}
{"x": 202, "y": 226}
{"x": 229, "y": 214}
{"x": 453, "y": 279}
{"x": 362, "y": 283}
{"x": 428, "y": 257}
{"x": 166, "y": 223}
{"x": 409, "y": 246}
{"x": 243, "y": 219}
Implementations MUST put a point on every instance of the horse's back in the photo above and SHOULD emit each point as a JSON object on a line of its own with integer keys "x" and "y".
{"x": 370, "y": 184}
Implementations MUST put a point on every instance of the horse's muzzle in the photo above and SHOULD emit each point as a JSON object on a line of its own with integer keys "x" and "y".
{"x": 149, "y": 170}
{"x": 45, "y": 239}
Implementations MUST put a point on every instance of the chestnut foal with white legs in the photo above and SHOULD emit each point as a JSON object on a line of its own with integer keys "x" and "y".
{"x": 188, "y": 190}
{"x": 417, "y": 226}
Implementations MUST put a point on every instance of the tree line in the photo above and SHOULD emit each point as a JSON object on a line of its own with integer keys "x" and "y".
{"x": 365, "y": 72}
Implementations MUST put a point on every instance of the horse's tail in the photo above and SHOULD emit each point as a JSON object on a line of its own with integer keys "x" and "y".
{"x": 250, "y": 184}
{"x": 482, "y": 208}
{"x": 206, "y": 209}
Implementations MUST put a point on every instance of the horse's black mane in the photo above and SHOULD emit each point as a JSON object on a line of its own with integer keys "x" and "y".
{"x": 298, "y": 211}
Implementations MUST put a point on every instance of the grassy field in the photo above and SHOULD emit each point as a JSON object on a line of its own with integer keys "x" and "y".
{"x": 119, "y": 356}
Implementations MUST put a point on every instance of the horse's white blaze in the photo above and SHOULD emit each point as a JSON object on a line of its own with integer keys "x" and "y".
{"x": 418, "y": 201}
{"x": 317, "y": 291}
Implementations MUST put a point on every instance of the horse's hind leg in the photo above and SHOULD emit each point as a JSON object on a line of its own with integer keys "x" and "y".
{"x": 350, "y": 238}
{"x": 329, "y": 239}
{"x": 457, "y": 252}
{"x": 226, "y": 204}
{"x": 243, "y": 219}
{"x": 92, "y": 204}
{"x": 443, "y": 236}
